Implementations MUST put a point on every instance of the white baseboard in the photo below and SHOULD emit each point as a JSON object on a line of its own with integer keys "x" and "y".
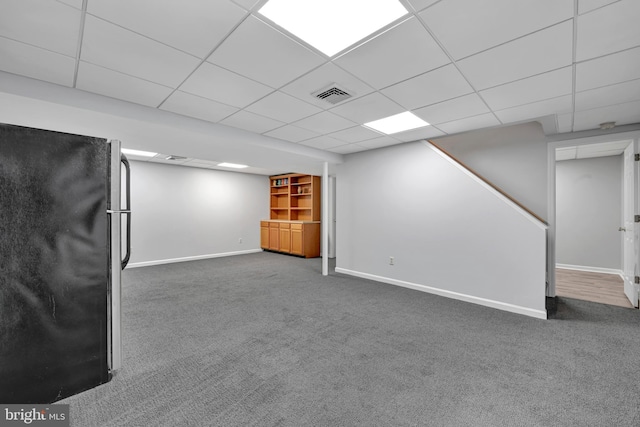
{"x": 538, "y": 314}
{"x": 190, "y": 258}
{"x": 591, "y": 269}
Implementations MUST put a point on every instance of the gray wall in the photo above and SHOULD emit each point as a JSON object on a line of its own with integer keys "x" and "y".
{"x": 449, "y": 233}
{"x": 589, "y": 212}
{"x": 514, "y": 158}
{"x": 183, "y": 212}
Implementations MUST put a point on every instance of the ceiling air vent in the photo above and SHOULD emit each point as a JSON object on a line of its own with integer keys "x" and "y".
{"x": 332, "y": 94}
{"x": 174, "y": 157}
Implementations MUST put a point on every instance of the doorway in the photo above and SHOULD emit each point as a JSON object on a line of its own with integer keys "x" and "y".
{"x": 595, "y": 201}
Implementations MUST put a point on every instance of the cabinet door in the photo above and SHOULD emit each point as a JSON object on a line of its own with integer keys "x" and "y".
{"x": 297, "y": 246}
{"x": 285, "y": 240}
{"x": 274, "y": 237}
{"x": 264, "y": 237}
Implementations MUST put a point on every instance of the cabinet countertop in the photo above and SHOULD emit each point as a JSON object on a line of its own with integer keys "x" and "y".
{"x": 290, "y": 221}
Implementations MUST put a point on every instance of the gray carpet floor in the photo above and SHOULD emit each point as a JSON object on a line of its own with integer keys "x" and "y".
{"x": 265, "y": 340}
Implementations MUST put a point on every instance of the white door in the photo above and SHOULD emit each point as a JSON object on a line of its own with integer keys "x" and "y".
{"x": 630, "y": 245}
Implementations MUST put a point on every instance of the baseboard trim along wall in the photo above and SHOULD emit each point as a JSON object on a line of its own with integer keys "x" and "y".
{"x": 191, "y": 258}
{"x": 591, "y": 269}
{"x": 538, "y": 314}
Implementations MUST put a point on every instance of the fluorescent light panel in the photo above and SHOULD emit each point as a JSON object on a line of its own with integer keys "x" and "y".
{"x": 332, "y": 25}
{"x": 397, "y": 123}
{"x": 138, "y": 152}
{"x": 232, "y": 165}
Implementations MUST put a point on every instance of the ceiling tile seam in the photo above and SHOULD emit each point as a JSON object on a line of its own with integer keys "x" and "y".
{"x": 607, "y": 85}
{"x": 83, "y": 17}
{"x": 535, "y": 102}
{"x": 600, "y": 7}
{"x": 249, "y": 9}
{"x": 143, "y": 35}
{"x": 455, "y": 64}
{"x": 390, "y": 26}
{"x": 515, "y": 39}
{"x": 266, "y": 21}
{"x": 203, "y": 60}
{"x": 607, "y": 54}
{"x": 37, "y": 47}
{"x": 424, "y": 8}
{"x": 635, "y": 101}
{"x": 125, "y": 74}
{"x": 525, "y": 78}
{"x": 574, "y": 71}
{"x": 68, "y": 5}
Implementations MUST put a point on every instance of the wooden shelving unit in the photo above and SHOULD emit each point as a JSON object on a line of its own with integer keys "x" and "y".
{"x": 294, "y": 223}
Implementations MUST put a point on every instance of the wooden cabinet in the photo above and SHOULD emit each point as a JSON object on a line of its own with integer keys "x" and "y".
{"x": 294, "y": 224}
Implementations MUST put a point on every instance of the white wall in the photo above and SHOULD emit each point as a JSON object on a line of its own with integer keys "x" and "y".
{"x": 514, "y": 158}
{"x": 181, "y": 212}
{"x": 448, "y": 233}
{"x": 589, "y": 212}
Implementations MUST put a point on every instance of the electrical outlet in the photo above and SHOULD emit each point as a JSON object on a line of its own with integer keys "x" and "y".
{"x": 240, "y": 240}
{"x": 391, "y": 260}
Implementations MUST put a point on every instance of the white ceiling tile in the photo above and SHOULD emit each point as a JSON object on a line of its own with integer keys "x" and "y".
{"x": 429, "y": 88}
{"x": 466, "y": 27}
{"x": 527, "y": 56}
{"x": 453, "y": 109}
{"x": 218, "y": 84}
{"x": 417, "y": 134}
{"x": 47, "y": 24}
{"x": 119, "y": 49}
{"x": 565, "y": 122}
{"x": 418, "y": 5}
{"x": 280, "y": 106}
{"x": 470, "y": 123}
{"x": 195, "y": 27}
{"x": 544, "y": 86}
{"x": 368, "y": 108}
{"x": 355, "y": 134}
{"x": 609, "y": 29}
{"x": 395, "y": 55}
{"x": 585, "y": 6}
{"x": 322, "y": 142}
{"x": 251, "y": 122}
{"x": 348, "y": 149}
{"x": 383, "y": 141}
{"x": 622, "y": 114}
{"x": 321, "y": 78}
{"x": 195, "y": 106}
{"x": 610, "y": 69}
{"x": 74, "y": 3}
{"x": 559, "y": 105}
{"x": 37, "y": 63}
{"x": 291, "y": 133}
{"x": 267, "y": 55}
{"x": 324, "y": 122}
{"x": 120, "y": 86}
{"x": 608, "y": 95}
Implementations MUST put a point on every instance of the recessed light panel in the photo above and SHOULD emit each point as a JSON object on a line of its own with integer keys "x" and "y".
{"x": 138, "y": 153}
{"x": 397, "y": 123}
{"x": 232, "y": 165}
{"x": 332, "y": 25}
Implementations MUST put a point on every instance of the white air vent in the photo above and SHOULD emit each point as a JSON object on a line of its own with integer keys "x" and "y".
{"x": 333, "y": 94}
{"x": 174, "y": 157}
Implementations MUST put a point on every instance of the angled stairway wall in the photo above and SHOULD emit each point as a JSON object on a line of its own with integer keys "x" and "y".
{"x": 449, "y": 233}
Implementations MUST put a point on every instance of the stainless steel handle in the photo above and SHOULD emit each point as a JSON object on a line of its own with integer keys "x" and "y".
{"x": 127, "y": 211}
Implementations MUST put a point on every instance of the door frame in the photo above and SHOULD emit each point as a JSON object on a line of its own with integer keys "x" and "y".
{"x": 569, "y": 140}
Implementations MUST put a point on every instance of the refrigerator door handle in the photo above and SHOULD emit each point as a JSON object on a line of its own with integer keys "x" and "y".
{"x": 127, "y": 211}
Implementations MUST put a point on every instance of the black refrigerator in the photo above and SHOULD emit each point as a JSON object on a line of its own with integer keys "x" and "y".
{"x": 62, "y": 220}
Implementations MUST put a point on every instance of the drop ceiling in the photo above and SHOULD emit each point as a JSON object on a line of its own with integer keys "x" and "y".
{"x": 458, "y": 64}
